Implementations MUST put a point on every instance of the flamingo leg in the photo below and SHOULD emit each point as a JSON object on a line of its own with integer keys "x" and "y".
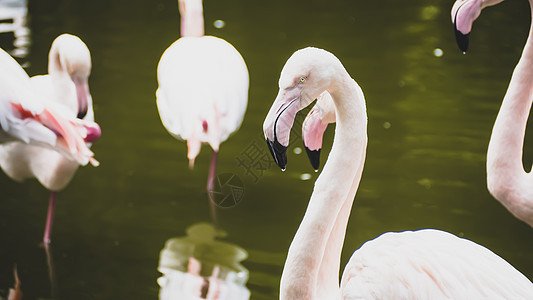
{"x": 50, "y": 218}
{"x": 51, "y": 269}
{"x": 210, "y": 186}
{"x": 47, "y": 241}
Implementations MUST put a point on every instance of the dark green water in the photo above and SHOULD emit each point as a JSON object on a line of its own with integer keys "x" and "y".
{"x": 430, "y": 120}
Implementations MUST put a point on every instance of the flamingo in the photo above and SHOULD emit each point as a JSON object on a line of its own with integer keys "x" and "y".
{"x": 23, "y": 117}
{"x": 507, "y": 180}
{"x": 66, "y": 90}
{"x": 203, "y": 87}
{"x": 422, "y": 264}
{"x": 314, "y": 126}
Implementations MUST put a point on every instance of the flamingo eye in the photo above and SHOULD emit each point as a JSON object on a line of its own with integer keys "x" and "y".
{"x": 302, "y": 79}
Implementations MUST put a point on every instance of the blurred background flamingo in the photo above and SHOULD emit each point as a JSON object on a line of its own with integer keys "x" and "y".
{"x": 23, "y": 117}
{"x": 67, "y": 92}
{"x": 203, "y": 88}
{"x": 507, "y": 180}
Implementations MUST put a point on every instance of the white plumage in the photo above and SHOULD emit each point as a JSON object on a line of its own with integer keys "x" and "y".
{"x": 25, "y": 117}
{"x": 202, "y": 79}
{"x": 430, "y": 264}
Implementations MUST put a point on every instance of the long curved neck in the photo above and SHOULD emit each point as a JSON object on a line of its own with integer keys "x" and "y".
{"x": 312, "y": 267}
{"x": 505, "y": 172}
{"x": 192, "y": 18}
{"x": 64, "y": 90}
{"x": 56, "y": 65}
{"x": 54, "y": 61}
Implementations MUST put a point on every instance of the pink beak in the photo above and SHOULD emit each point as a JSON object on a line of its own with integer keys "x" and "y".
{"x": 82, "y": 92}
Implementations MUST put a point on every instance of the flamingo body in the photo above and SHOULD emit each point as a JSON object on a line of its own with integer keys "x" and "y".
{"x": 203, "y": 82}
{"x": 53, "y": 170}
{"x": 16, "y": 88}
{"x": 22, "y": 161}
{"x": 24, "y": 117}
{"x": 430, "y": 264}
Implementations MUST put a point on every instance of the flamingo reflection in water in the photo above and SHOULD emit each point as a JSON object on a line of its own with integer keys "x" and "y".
{"x": 203, "y": 88}
{"x": 200, "y": 266}
{"x": 13, "y": 20}
{"x": 15, "y": 293}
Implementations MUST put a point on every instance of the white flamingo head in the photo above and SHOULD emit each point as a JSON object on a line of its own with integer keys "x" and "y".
{"x": 464, "y": 13}
{"x": 70, "y": 55}
{"x": 307, "y": 73}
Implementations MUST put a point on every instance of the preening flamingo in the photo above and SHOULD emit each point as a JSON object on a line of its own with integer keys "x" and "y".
{"x": 66, "y": 90}
{"x": 423, "y": 264}
{"x": 23, "y": 117}
{"x": 203, "y": 87}
{"x": 507, "y": 180}
{"x": 314, "y": 126}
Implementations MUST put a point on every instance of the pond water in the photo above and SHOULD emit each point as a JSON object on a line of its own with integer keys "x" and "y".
{"x": 431, "y": 111}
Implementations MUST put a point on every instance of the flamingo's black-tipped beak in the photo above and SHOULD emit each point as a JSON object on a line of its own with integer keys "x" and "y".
{"x": 83, "y": 95}
{"x": 279, "y": 153}
{"x": 314, "y": 157}
{"x": 462, "y": 39}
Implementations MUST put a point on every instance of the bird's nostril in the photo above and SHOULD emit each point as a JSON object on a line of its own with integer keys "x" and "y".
{"x": 204, "y": 125}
